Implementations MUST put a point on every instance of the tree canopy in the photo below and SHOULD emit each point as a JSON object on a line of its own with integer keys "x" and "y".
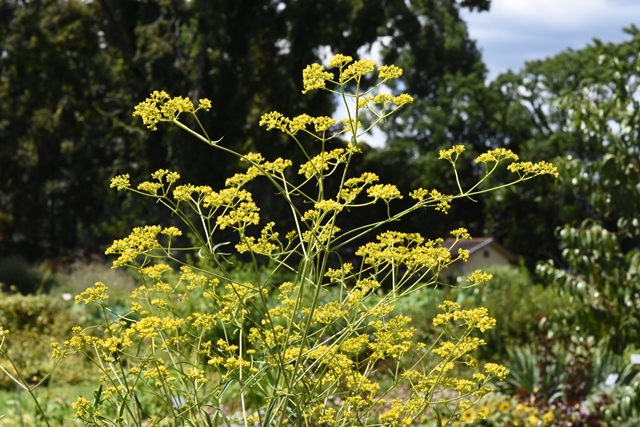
{"x": 565, "y": 109}
{"x": 70, "y": 73}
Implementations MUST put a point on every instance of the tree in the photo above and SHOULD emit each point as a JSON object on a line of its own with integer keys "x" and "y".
{"x": 536, "y": 125}
{"x": 600, "y": 257}
{"x": 445, "y": 74}
{"x": 71, "y": 71}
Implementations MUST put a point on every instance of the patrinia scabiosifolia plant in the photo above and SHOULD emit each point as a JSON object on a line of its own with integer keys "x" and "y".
{"x": 323, "y": 349}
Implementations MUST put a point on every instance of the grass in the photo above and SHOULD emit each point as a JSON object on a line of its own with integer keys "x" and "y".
{"x": 17, "y": 408}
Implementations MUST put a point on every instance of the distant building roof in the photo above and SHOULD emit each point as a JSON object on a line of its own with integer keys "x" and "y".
{"x": 477, "y": 243}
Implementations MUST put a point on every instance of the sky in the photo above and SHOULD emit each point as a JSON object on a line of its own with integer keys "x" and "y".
{"x": 515, "y": 31}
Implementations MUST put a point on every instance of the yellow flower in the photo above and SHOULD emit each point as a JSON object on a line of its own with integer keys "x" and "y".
{"x": 273, "y": 120}
{"x": 527, "y": 169}
{"x": 97, "y": 293}
{"x": 205, "y": 104}
{"x": 385, "y": 192}
{"x": 532, "y": 421}
{"x": 468, "y": 416}
{"x": 81, "y": 406}
{"x": 121, "y": 182}
{"x": 496, "y": 155}
{"x": 504, "y": 406}
{"x": 339, "y": 60}
{"x": 387, "y": 72}
{"x": 314, "y": 76}
{"x": 160, "y": 107}
{"x": 483, "y": 412}
{"x": 451, "y": 154}
{"x": 323, "y": 123}
{"x": 461, "y": 233}
{"x": 479, "y": 277}
{"x": 328, "y": 205}
{"x": 357, "y": 69}
{"x": 139, "y": 241}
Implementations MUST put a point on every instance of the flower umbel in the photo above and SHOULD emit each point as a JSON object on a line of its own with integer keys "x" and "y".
{"x": 160, "y": 107}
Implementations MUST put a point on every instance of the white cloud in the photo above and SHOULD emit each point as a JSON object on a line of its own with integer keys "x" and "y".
{"x": 515, "y": 31}
{"x": 562, "y": 15}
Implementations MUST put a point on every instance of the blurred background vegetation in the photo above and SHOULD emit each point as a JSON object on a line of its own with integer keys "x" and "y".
{"x": 71, "y": 72}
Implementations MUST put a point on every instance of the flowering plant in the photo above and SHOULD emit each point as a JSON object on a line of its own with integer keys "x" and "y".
{"x": 501, "y": 410}
{"x": 308, "y": 351}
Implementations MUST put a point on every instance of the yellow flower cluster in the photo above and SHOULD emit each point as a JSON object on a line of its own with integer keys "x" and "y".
{"x": 354, "y": 346}
{"x": 449, "y": 350}
{"x": 320, "y": 163}
{"x": 204, "y": 321}
{"x": 185, "y": 193}
{"x": 497, "y": 155}
{"x": 452, "y": 154}
{"x": 155, "y": 271}
{"x": 392, "y": 338}
{"x": 330, "y": 312}
{"x": 386, "y": 192}
{"x": 265, "y": 245}
{"x": 314, "y": 76}
{"x": 81, "y": 406}
{"x": 339, "y": 60}
{"x": 384, "y": 99}
{"x": 140, "y": 241}
{"x": 461, "y": 234}
{"x": 499, "y": 409}
{"x": 243, "y": 214}
{"x": 150, "y": 188}
{"x": 496, "y": 370}
{"x": 360, "y": 291}
{"x": 259, "y": 167}
{"x": 402, "y": 412}
{"x": 160, "y": 107}
{"x": 477, "y": 318}
{"x": 169, "y": 176}
{"x": 408, "y": 249}
{"x": 357, "y": 70}
{"x": 527, "y": 169}
{"x": 152, "y": 326}
{"x": 275, "y": 120}
{"x": 388, "y": 72}
{"x": 354, "y": 186}
{"x": 328, "y": 206}
{"x": 120, "y": 182}
{"x": 440, "y": 202}
{"x": 479, "y": 277}
{"x": 96, "y": 293}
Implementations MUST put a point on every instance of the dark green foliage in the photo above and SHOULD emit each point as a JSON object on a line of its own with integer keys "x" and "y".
{"x": 578, "y": 110}
{"x": 17, "y": 275}
{"x": 70, "y": 73}
{"x": 623, "y": 409}
{"x": 603, "y": 279}
{"x": 599, "y": 263}
{"x": 445, "y": 75}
